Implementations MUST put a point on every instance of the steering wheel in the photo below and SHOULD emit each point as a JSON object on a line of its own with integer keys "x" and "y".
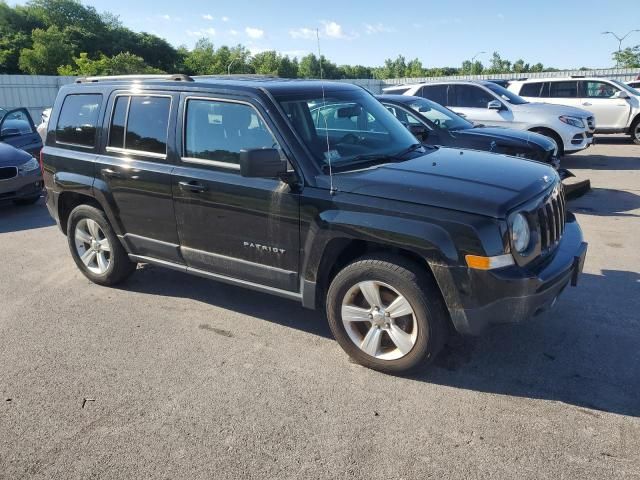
{"x": 350, "y": 138}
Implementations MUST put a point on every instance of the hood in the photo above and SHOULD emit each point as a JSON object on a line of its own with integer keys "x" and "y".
{"x": 551, "y": 109}
{"x": 507, "y": 136}
{"x": 11, "y": 156}
{"x": 465, "y": 180}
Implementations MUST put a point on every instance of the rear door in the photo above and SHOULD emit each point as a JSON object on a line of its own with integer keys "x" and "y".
{"x": 17, "y": 129}
{"x": 564, "y": 92}
{"x": 133, "y": 171}
{"x": 598, "y": 97}
{"x": 243, "y": 228}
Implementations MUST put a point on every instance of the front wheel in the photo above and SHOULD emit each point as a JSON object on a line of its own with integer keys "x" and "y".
{"x": 635, "y": 132}
{"x": 386, "y": 314}
{"x": 95, "y": 248}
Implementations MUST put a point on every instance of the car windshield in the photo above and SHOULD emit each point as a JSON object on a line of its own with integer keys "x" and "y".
{"x": 3, "y": 112}
{"x": 440, "y": 117}
{"x": 626, "y": 87}
{"x": 346, "y": 127}
{"x": 505, "y": 94}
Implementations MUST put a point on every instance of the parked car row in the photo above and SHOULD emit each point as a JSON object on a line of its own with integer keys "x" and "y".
{"x": 316, "y": 192}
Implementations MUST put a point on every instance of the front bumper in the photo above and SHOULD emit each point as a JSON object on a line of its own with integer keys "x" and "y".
{"x": 22, "y": 186}
{"x": 513, "y": 294}
{"x": 578, "y": 141}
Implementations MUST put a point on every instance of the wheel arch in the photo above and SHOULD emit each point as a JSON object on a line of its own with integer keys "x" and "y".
{"x": 550, "y": 132}
{"x": 67, "y": 201}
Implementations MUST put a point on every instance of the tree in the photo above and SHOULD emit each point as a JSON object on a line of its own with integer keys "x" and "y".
{"x": 414, "y": 69}
{"x": 498, "y": 65}
{"x": 628, "y": 58}
{"x": 309, "y": 67}
{"x": 201, "y": 60}
{"x": 51, "y": 48}
{"x": 121, "y": 64}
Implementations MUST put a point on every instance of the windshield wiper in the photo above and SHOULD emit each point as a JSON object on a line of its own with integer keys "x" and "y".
{"x": 371, "y": 159}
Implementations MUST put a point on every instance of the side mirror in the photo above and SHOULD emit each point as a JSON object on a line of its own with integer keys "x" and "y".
{"x": 621, "y": 94}
{"x": 262, "y": 163}
{"x": 494, "y": 105}
{"x": 420, "y": 132}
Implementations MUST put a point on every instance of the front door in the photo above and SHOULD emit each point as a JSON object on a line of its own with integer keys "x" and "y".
{"x": 133, "y": 171}
{"x": 243, "y": 228}
{"x": 472, "y": 103}
{"x": 610, "y": 112}
{"x": 17, "y": 129}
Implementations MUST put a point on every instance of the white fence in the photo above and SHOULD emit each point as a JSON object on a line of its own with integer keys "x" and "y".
{"x": 34, "y": 92}
{"x": 37, "y": 92}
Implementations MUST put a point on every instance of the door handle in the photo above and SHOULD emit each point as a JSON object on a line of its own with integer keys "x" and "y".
{"x": 586, "y": 104}
{"x": 194, "y": 187}
{"x": 107, "y": 172}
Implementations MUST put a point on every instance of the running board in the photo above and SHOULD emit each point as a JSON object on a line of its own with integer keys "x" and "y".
{"x": 221, "y": 278}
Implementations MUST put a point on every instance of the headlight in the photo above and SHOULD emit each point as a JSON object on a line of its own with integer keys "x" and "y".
{"x": 573, "y": 121}
{"x": 31, "y": 165}
{"x": 520, "y": 233}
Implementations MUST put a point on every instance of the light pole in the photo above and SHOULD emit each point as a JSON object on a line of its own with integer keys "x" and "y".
{"x": 229, "y": 66}
{"x": 473, "y": 61}
{"x": 620, "y": 39}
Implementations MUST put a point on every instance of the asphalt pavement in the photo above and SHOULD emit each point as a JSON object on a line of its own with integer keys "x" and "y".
{"x": 176, "y": 377}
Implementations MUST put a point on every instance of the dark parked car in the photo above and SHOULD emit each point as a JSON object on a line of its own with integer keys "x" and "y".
{"x": 247, "y": 181}
{"x": 437, "y": 125}
{"x": 17, "y": 129}
{"x": 20, "y": 176}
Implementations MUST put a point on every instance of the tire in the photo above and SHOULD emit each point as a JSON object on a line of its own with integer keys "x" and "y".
{"x": 91, "y": 237}
{"x": 555, "y": 137}
{"x": 26, "y": 201}
{"x": 635, "y": 131}
{"x": 392, "y": 277}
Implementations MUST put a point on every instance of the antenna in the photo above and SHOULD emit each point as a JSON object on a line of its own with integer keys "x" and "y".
{"x": 326, "y": 126}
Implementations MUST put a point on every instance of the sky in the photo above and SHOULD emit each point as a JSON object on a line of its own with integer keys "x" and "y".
{"x": 557, "y": 33}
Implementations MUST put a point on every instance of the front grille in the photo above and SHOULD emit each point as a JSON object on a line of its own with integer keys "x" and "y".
{"x": 591, "y": 123}
{"x": 7, "y": 173}
{"x": 551, "y": 219}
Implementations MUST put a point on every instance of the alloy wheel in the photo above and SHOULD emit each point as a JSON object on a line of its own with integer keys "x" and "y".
{"x": 92, "y": 246}
{"x": 379, "y": 320}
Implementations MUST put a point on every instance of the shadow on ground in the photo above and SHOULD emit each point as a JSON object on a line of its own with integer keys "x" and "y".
{"x": 605, "y": 202}
{"x": 563, "y": 355}
{"x": 14, "y": 218}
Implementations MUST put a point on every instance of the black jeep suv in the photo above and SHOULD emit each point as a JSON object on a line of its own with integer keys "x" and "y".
{"x": 242, "y": 181}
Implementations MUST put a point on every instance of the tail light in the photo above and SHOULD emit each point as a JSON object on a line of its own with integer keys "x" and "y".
{"x": 42, "y": 161}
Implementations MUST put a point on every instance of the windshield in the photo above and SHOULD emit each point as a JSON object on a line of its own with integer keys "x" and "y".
{"x": 346, "y": 126}
{"x": 3, "y": 112}
{"x": 440, "y": 117}
{"x": 626, "y": 87}
{"x": 505, "y": 94}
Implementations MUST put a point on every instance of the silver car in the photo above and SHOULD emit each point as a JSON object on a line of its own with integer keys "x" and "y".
{"x": 20, "y": 176}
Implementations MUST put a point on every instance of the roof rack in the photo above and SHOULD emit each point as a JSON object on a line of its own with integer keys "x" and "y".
{"x": 178, "y": 77}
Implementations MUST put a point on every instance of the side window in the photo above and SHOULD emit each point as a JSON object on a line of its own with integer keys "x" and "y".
{"x": 16, "y": 122}
{"x": 217, "y": 130}
{"x": 436, "y": 93}
{"x": 78, "y": 119}
{"x": 599, "y": 89}
{"x": 469, "y": 96}
{"x": 563, "y": 89}
{"x": 140, "y": 122}
{"x": 531, "y": 89}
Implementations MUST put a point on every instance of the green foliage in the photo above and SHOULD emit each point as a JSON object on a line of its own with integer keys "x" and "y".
{"x": 628, "y": 58}
{"x": 121, "y": 64}
{"x": 50, "y": 48}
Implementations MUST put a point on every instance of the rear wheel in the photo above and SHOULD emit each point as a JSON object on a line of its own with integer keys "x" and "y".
{"x": 95, "y": 248}
{"x": 386, "y": 314}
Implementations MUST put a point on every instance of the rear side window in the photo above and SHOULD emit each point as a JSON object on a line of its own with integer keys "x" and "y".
{"x": 78, "y": 119}
{"x": 217, "y": 131}
{"x": 140, "y": 123}
{"x": 435, "y": 93}
{"x": 531, "y": 89}
{"x": 563, "y": 89}
{"x": 469, "y": 96}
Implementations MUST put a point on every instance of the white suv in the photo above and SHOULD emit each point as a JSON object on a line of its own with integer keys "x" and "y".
{"x": 616, "y": 105}
{"x": 490, "y": 104}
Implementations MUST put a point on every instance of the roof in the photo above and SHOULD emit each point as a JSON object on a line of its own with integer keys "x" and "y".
{"x": 404, "y": 99}
{"x": 274, "y": 85}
